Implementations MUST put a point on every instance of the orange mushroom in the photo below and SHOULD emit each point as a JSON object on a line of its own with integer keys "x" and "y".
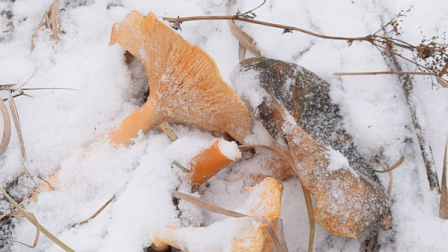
{"x": 264, "y": 203}
{"x": 185, "y": 84}
{"x": 212, "y": 160}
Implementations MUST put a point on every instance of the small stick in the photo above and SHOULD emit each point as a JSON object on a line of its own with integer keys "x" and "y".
{"x": 425, "y": 148}
{"x": 384, "y": 72}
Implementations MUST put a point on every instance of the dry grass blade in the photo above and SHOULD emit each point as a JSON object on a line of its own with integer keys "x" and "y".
{"x": 442, "y": 82}
{"x": 166, "y": 128}
{"x": 245, "y": 40}
{"x": 51, "y": 14}
{"x": 219, "y": 210}
{"x": 46, "y": 182}
{"x": 33, "y": 221}
{"x": 381, "y": 73}
{"x": 180, "y": 166}
{"x": 241, "y": 52}
{"x": 96, "y": 213}
{"x": 207, "y": 205}
{"x": 387, "y": 169}
{"x": 15, "y": 117}
{"x": 398, "y": 163}
{"x": 43, "y": 23}
{"x": 55, "y": 24}
{"x": 443, "y": 211}
{"x": 36, "y": 239}
{"x": 306, "y": 193}
{"x": 6, "y": 128}
{"x": 15, "y": 181}
{"x": 12, "y": 214}
{"x": 281, "y": 234}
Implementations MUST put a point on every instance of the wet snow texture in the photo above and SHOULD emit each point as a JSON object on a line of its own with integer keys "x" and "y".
{"x": 58, "y": 124}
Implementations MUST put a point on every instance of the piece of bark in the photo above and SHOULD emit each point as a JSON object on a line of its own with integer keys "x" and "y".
{"x": 295, "y": 107}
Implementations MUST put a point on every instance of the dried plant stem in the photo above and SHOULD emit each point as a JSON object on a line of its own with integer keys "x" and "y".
{"x": 398, "y": 163}
{"x": 96, "y": 213}
{"x": 55, "y": 24}
{"x": 425, "y": 148}
{"x": 443, "y": 211}
{"x": 382, "y": 73}
{"x": 248, "y": 20}
{"x": 51, "y": 14}
{"x": 6, "y": 128}
{"x": 166, "y": 128}
{"x": 383, "y": 42}
{"x": 33, "y": 221}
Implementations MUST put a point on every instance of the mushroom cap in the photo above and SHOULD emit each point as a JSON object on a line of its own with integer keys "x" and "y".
{"x": 251, "y": 234}
{"x": 185, "y": 83}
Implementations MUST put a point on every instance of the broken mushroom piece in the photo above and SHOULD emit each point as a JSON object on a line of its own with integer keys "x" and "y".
{"x": 185, "y": 84}
{"x": 263, "y": 207}
{"x": 210, "y": 161}
{"x": 295, "y": 107}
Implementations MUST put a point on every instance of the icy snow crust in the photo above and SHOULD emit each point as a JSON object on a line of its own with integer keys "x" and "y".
{"x": 58, "y": 124}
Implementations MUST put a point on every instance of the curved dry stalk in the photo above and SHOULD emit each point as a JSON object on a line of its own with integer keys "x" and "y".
{"x": 6, "y": 128}
{"x": 36, "y": 239}
{"x": 398, "y": 163}
{"x": 96, "y": 213}
{"x": 33, "y": 221}
{"x": 15, "y": 117}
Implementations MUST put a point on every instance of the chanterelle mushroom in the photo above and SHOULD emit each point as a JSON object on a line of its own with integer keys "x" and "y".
{"x": 185, "y": 84}
{"x": 247, "y": 234}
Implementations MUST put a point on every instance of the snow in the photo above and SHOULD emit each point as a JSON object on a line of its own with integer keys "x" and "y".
{"x": 229, "y": 149}
{"x": 58, "y": 125}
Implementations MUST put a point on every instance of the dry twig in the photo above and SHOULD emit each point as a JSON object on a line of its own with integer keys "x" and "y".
{"x": 434, "y": 55}
{"x": 96, "y": 213}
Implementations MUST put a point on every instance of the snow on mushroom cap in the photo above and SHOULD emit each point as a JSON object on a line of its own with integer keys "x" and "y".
{"x": 229, "y": 149}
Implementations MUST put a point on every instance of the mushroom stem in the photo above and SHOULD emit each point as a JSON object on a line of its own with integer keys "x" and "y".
{"x": 143, "y": 119}
{"x": 212, "y": 160}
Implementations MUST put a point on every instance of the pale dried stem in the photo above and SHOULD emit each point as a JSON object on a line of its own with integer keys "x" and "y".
{"x": 50, "y": 20}
{"x": 96, "y": 213}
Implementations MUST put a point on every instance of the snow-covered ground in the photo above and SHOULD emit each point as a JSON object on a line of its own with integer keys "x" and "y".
{"x": 58, "y": 124}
